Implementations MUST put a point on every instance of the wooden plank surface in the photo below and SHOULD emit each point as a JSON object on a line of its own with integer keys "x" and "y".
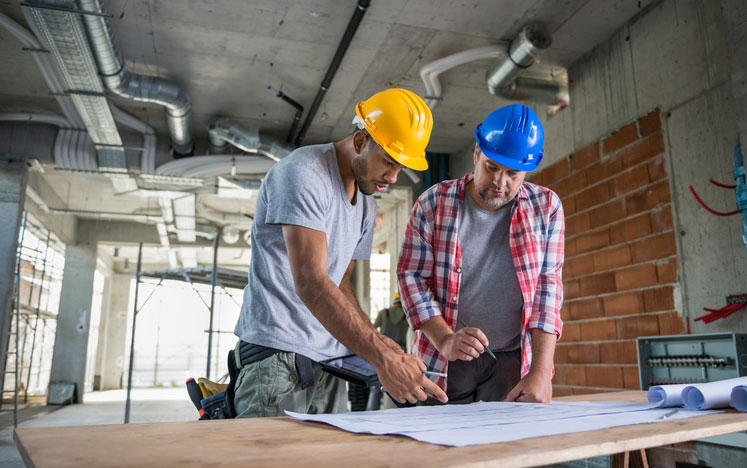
{"x": 283, "y": 442}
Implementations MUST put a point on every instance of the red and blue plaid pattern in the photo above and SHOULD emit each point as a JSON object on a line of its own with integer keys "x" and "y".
{"x": 429, "y": 266}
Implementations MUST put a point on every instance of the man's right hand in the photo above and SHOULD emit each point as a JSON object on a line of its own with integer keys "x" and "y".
{"x": 465, "y": 344}
{"x": 402, "y": 376}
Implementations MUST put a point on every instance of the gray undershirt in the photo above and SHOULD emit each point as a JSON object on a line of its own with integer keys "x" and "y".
{"x": 489, "y": 293}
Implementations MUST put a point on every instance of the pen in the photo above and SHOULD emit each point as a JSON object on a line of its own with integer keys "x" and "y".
{"x": 437, "y": 374}
{"x": 487, "y": 350}
{"x": 670, "y": 413}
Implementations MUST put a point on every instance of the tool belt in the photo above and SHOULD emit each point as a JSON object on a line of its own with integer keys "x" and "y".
{"x": 250, "y": 353}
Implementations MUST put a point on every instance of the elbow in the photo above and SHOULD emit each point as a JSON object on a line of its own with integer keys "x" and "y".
{"x": 307, "y": 287}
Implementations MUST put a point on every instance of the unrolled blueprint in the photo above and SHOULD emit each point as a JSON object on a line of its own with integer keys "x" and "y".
{"x": 491, "y": 422}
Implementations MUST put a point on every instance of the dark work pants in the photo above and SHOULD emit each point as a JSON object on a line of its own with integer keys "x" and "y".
{"x": 482, "y": 379}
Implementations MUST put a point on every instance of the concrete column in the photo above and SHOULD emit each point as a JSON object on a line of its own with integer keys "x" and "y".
{"x": 13, "y": 179}
{"x": 71, "y": 341}
{"x": 362, "y": 284}
{"x": 113, "y": 332}
{"x": 735, "y": 17}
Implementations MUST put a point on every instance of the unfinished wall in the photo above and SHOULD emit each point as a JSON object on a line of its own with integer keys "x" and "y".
{"x": 621, "y": 263}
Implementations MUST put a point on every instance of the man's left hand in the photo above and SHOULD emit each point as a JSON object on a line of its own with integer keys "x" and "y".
{"x": 533, "y": 388}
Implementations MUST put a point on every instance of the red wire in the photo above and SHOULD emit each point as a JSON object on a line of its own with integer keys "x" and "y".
{"x": 710, "y": 210}
{"x": 719, "y": 184}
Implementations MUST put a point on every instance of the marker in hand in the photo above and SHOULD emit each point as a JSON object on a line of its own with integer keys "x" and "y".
{"x": 487, "y": 350}
{"x": 435, "y": 374}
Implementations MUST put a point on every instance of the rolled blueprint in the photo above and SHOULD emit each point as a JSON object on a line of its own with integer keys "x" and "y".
{"x": 666, "y": 395}
{"x": 739, "y": 398}
{"x": 710, "y": 395}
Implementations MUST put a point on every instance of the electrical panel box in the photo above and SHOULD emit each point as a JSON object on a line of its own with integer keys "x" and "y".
{"x": 684, "y": 359}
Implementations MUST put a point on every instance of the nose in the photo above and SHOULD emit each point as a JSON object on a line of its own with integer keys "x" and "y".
{"x": 499, "y": 179}
{"x": 391, "y": 175}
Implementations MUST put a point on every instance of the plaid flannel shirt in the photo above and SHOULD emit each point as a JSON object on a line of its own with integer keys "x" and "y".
{"x": 429, "y": 266}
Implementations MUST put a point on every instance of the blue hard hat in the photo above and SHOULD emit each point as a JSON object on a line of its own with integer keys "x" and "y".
{"x": 512, "y": 136}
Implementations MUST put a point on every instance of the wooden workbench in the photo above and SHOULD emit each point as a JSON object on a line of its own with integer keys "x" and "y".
{"x": 283, "y": 442}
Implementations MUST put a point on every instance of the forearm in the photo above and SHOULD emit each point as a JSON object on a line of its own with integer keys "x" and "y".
{"x": 331, "y": 306}
{"x": 543, "y": 351}
{"x": 436, "y": 330}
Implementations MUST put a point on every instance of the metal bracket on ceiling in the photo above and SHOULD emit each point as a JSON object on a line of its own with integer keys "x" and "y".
{"x": 47, "y": 6}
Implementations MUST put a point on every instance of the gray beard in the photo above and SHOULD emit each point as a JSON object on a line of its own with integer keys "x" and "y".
{"x": 492, "y": 202}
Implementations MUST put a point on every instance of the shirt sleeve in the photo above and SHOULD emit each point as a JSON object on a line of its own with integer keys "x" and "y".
{"x": 363, "y": 248}
{"x": 296, "y": 195}
{"x": 415, "y": 266}
{"x": 548, "y": 297}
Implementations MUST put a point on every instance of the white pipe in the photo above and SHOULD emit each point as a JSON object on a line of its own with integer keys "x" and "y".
{"x": 429, "y": 72}
{"x": 51, "y": 119}
{"x": 211, "y": 163}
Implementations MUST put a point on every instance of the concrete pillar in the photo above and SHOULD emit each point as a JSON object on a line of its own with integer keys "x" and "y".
{"x": 113, "y": 333}
{"x": 13, "y": 179}
{"x": 71, "y": 341}
{"x": 735, "y": 17}
{"x": 362, "y": 284}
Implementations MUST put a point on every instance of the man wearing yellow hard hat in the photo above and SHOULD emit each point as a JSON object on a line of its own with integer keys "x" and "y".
{"x": 314, "y": 219}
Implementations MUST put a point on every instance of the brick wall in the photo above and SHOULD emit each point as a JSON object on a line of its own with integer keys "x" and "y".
{"x": 620, "y": 258}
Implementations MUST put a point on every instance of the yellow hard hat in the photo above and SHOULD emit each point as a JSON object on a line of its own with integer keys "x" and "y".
{"x": 400, "y": 122}
{"x": 396, "y": 296}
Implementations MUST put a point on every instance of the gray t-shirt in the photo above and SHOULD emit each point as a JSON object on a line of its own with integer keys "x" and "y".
{"x": 304, "y": 189}
{"x": 489, "y": 293}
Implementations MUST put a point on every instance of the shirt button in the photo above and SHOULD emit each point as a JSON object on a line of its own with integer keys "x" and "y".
{"x": 459, "y": 270}
{"x": 454, "y": 298}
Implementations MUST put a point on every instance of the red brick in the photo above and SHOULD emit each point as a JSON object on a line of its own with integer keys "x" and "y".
{"x": 558, "y": 391}
{"x": 670, "y": 323}
{"x": 612, "y": 258}
{"x": 570, "y": 185}
{"x": 648, "y": 197}
{"x": 655, "y": 300}
{"x": 592, "y": 196}
{"x": 642, "y": 150}
{"x": 569, "y": 205}
{"x": 598, "y": 330}
{"x": 603, "y": 170}
{"x": 623, "y": 137}
{"x": 586, "y": 309}
{"x": 650, "y": 123}
{"x": 571, "y": 332}
{"x": 641, "y": 325}
{"x": 597, "y": 284}
{"x": 578, "y": 266}
{"x": 561, "y": 353}
{"x": 629, "y": 181}
{"x": 585, "y": 157}
{"x": 657, "y": 169}
{"x": 631, "y": 381}
{"x": 570, "y": 375}
{"x": 583, "y": 354}
{"x": 607, "y": 213}
{"x": 636, "y": 277}
{"x": 660, "y": 246}
{"x": 618, "y": 352}
{"x": 623, "y": 304}
{"x": 604, "y": 376}
{"x": 577, "y": 224}
{"x": 630, "y": 229}
{"x": 592, "y": 241}
{"x": 556, "y": 172}
{"x": 570, "y": 248}
{"x": 571, "y": 289}
{"x": 667, "y": 271}
{"x": 661, "y": 219}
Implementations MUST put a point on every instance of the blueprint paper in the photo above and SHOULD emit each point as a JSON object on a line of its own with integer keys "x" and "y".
{"x": 739, "y": 398}
{"x": 491, "y": 422}
{"x": 711, "y": 394}
{"x": 666, "y": 395}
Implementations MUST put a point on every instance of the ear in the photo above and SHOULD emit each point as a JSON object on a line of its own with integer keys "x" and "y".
{"x": 476, "y": 155}
{"x": 360, "y": 141}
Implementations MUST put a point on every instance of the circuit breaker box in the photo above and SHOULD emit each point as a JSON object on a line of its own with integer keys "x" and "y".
{"x": 683, "y": 359}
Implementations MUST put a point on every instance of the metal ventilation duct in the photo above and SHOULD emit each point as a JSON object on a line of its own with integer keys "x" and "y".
{"x": 224, "y": 130}
{"x": 138, "y": 87}
{"x": 64, "y": 36}
{"x": 522, "y": 53}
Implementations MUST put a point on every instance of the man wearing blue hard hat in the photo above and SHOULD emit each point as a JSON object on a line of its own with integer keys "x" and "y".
{"x": 480, "y": 269}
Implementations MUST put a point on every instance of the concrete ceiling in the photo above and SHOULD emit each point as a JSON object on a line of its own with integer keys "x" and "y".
{"x": 226, "y": 53}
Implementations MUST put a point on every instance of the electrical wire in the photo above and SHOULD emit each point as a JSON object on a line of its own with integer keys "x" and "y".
{"x": 719, "y": 184}
{"x": 709, "y": 209}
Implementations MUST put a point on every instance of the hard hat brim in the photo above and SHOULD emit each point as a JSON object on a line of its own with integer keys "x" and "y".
{"x": 511, "y": 163}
